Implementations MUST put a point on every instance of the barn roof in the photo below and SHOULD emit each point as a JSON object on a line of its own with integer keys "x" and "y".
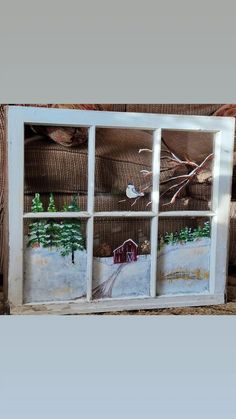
{"x": 128, "y": 240}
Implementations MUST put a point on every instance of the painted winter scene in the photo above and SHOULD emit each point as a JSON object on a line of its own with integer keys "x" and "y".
{"x": 55, "y": 261}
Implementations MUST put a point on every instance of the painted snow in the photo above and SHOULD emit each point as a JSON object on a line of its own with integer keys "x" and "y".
{"x": 52, "y": 277}
{"x": 182, "y": 268}
{"x": 121, "y": 279}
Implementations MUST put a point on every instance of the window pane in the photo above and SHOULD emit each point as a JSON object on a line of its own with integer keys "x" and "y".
{"x": 56, "y": 162}
{"x": 186, "y": 170}
{"x": 183, "y": 264}
{"x": 54, "y": 260}
{"x": 121, "y": 262}
{"x": 123, "y": 177}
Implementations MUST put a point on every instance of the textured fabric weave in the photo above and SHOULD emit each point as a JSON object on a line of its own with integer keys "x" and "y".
{"x": 43, "y": 166}
{"x": 52, "y": 168}
{"x": 178, "y": 109}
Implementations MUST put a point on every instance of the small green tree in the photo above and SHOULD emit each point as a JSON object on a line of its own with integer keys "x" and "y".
{"x": 185, "y": 235}
{"x": 52, "y": 227}
{"x": 37, "y": 234}
{"x": 71, "y": 238}
{"x": 37, "y": 205}
{"x": 206, "y": 229}
{"x": 37, "y": 229}
{"x": 52, "y": 234}
{"x": 73, "y": 206}
{"x": 171, "y": 238}
{"x": 51, "y": 205}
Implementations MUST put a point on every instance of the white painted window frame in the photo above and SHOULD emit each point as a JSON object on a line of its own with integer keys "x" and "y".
{"x": 223, "y": 130}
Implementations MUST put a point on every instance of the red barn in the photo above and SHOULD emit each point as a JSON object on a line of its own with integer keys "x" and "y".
{"x": 126, "y": 253}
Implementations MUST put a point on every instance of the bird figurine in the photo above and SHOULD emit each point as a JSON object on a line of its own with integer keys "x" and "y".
{"x": 131, "y": 192}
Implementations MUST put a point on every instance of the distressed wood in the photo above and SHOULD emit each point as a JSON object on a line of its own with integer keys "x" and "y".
{"x": 72, "y": 214}
{"x": 222, "y": 175}
{"x": 224, "y": 137}
{"x": 131, "y": 214}
{"x": 5, "y": 209}
{"x": 134, "y": 214}
{"x": 15, "y": 131}
{"x": 186, "y": 213}
{"x": 155, "y": 205}
{"x": 68, "y": 117}
{"x": 90, "y": 208}
{"x": 82, "y": 307}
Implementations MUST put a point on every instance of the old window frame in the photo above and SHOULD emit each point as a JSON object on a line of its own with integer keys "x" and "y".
{"x": 223, "y": 130}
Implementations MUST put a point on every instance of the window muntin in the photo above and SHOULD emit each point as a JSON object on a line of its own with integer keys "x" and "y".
{"x": 218, "y": 130}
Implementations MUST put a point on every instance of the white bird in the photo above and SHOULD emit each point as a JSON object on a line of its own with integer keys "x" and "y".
{"x": 131, "y": 192}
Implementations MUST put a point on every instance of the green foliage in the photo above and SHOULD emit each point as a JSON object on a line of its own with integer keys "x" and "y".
{"x": 66, "y": 235}
{"x": 37, "y": 234}
{"x": 52, "y": 228}
{"x": 51, "y": 205}
{"x": 71, "y": 238}
{"x": 170, "y": 238}
{"x": 37, "y": 205}
{"x": 206, "y": 229}
{"x": 73, "y": 206}
{"x": 37, "y": 228}
{"x": 52, "y": 234}
{"x": 186, "y": 235}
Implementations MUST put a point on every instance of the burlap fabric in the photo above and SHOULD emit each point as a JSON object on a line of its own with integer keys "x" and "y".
{"x": 2, "y": 180}
{"x": 201, "y": 191}
{"x": 43, "y": 169}
{"x": 115, "y": 231}
{"x": 66, "y": 136}
{"x": 49, "y": 167}
{"x": 178, "y": 109}
{"x": 106, "y": 202}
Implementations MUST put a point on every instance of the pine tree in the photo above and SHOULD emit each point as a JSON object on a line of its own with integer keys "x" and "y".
{"x": 37, "y": 205}
{"x": 52, "y": 234}
{"x": 206, "y": 229}
{"x": 37, "y": 229}
{"x": 73, "y": 206}
{"x": 71, "y": 238}
{"x": 52, "y": 228}
{"x": 184, "y": 234}
{"x": 37, "y": 234}
{"x": 51, "y": 205}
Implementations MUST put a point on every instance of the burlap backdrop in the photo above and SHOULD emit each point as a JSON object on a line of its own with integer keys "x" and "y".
{"x": 199, "y": 194}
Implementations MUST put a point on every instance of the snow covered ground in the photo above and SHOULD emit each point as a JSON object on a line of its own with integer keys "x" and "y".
{"x": 182, "y": 268}
{"x": 133, "y": 278}
{"x": 50, "y": 277}
{"x": 189, "y": 260}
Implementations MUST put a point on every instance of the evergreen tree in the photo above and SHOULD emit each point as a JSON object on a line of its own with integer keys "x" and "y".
{"x": 185, "y": 234}
{"x": 71, "y": 238}
{"x": 52, "y": 232}
{"x": 73, "y": 206}
{"x": 37, "y": 229}
{"x": 170, "y": 238}
{"x": 37, "y": 234}
{"x": 206, "y": 229}
{"x": 52, "y": 228}
{"x": 51, "y": 205}
{"x": 37, "y": 205}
